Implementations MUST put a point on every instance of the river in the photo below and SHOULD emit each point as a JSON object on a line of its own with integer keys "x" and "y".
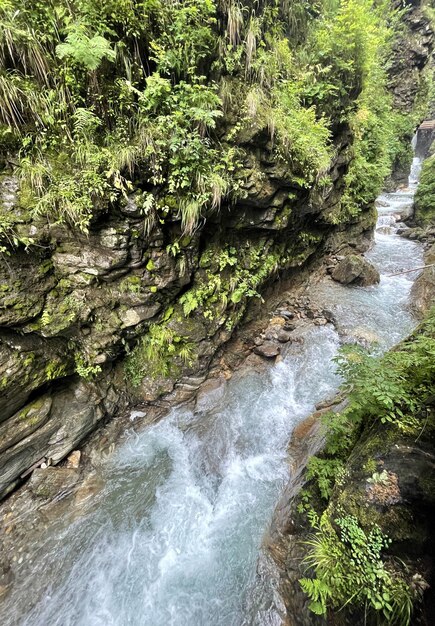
{"x": 174, "y": 535}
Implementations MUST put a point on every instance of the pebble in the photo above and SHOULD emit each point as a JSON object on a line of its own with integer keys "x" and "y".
{"x": 283, "y": 336}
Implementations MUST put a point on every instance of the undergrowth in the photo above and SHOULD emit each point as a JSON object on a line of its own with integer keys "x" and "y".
{"x": 349, "y": 558}
{"x": 425, "y": 195}
{"x": 99, "y": 102}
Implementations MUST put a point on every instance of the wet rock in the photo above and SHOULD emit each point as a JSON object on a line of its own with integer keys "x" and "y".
{"x": 26, "y": 363}
{"x": 385, "y": 230}
{"x": 210, "y": 393}
{"x": 355, "y": 270}
{"x": 271, "y": 333}
{"x": 24, "y": 423}
{"x": 268, "y": 350}
{"x": 87, "y": 489}
{"x": 329, "y": 315}
{"x": 289, "y": 327}
{"x": 284, "y": 336}
{"x": 24, "y": 282}
{"x": 73, "y": 459}
{"x": 6, "y": 577}
{"x": 130, "y": 206}
{"x": 278, "y": 320}
{"x": 135, "y": 316}
{"x": 289, "y": 315}
{"x": 96, "y": 260}
{"x": 51, "y": 428}
{"x": 53, "y": 482}
{"x": 151, "y": 389}
{"x": 423, "y": 290}
{"x": 364, "y": 336}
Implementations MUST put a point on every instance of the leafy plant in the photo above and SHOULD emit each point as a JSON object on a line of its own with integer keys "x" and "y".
{"x": 378, "y": 478}
{"x": 425, "y": 195}
{"x": 85, "y": 369}
{"x": 85, "y": 50}
{"x": 350, "y": 559}
{"x": 349, "y": 567}
{"x": 158, "y": 353}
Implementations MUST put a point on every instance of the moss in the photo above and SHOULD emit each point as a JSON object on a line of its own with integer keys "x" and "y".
{"x": 130, "y": 284}
{"x": 159, "y": 354}
{"x": 150, "y": 266}
{"x": 24, "y": 413}
{"x": 397, "y": 520}
{"x": 185, "y": 241}
{"x": 45, "y": 267}
{"x": 370, "y": 466}
{"x": 55, "y": 369}
{"x": 283, "y": 217}
{"x": 30, "y": 358}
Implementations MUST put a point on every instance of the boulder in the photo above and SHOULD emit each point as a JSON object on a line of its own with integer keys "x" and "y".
{"x": 355, "y": 270}
{"x": 50, "y": 428}
{"x": 268, "y": 349}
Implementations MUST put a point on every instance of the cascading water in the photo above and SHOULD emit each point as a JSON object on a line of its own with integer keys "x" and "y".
{"x": 416, "y": 165}
{"x": 174, "y": 535}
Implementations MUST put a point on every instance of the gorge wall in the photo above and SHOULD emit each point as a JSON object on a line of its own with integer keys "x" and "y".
{"x": 131, "y": 249}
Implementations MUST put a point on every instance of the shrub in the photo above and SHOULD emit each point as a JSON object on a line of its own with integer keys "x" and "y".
{"x": 425, "y": 196}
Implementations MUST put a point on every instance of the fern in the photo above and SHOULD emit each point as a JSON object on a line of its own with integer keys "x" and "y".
{"x": 87, "y": 51}
{"x": 85, "y": 123}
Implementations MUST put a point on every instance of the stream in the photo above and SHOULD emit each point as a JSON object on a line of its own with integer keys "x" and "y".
{"x": 173, "y": 537}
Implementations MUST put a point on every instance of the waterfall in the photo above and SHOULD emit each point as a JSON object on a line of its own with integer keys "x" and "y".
{"x": 414, "y": 175}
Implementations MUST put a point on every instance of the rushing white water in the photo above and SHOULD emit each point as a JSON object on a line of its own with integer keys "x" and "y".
{"x": 379, "y": 313}
{"x": 414, "y": 176}
{"x": 174, "y": 535}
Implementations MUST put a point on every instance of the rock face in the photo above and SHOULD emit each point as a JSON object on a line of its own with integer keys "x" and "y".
{"x": 48, "y": 428}
{"x": 355, "y": 270}
{"x": 409, "y": 76}
{"x": 411, "y": 52}
{"x": 72, "y": 306}
{"x": 402, "y": 503}
{"x": 288, "y": 531}
{"x": 423, "y": 290}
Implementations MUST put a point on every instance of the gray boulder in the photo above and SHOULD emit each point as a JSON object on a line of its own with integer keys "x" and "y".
{"x": 355, "y": 270}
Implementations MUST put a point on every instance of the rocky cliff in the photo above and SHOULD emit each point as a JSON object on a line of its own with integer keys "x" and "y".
{"x": 138, "y": 301}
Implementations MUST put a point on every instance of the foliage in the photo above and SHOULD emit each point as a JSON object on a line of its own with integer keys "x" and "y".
{"x": 158, "y": 353}
{"x": 230, "y": 277}
{"x": 348, "y": 558}
{"x": 425, "y": 195}
{"x": 326, "y": 473}
{"x": 378, "y": 478}
{"x": 350, "y": 568}
{"x": 87, "y": 51}
{"x": 348, "y": 76}
{"x": 78, "y": 92}
{"x": 393, "y": 390}
{"x": 97, "y": 101}
{"x": 85, "y": 369}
